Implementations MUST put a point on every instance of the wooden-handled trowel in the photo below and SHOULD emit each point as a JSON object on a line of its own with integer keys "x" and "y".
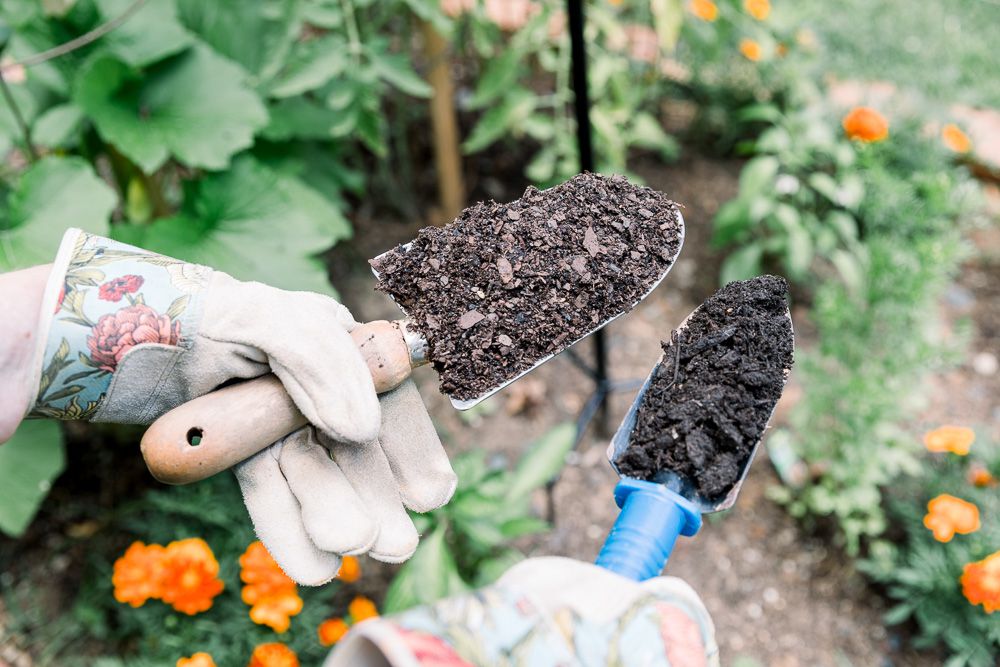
{"x": 485, "y": 299}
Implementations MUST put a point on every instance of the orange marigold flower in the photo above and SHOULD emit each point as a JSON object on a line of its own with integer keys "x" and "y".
{"x": 980, "y": 476}
{"x": 199, "y": 659}
{"x": 759, "y": 9}
{"x": 981, "y": 582}
{"x": 273, "y": 596}
{"x": 350, "y": 570}
{"x": 750, "y": 49}
{"x": 954, "y": 439}
{"x": 138, "y": 574}
{"x": 866, "y": 124}
{"x": 274, "y": 654}
{"x": 947, "y": 515}
{"x": 955, "y": 139}
{"x": 706, "y": 10}
{"x": 361, "y": 608}
{"x": 331, "y": 631}
{"x": 191, "y": 579}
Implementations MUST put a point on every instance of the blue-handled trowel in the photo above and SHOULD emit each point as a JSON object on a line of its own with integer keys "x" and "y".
{"x": 686, "y": 444}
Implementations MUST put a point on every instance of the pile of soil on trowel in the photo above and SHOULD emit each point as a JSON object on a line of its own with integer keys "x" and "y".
{"x": 505, "y": 285}
{"x": 712, "y": 394}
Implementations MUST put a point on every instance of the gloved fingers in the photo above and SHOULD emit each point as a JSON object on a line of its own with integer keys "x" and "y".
{"x": 333, "y": 515}
{"x": 419, "y": 463}
{"x": 308, "y": 348}
{"x": 276, "y": 517}
{"x": 367, "y": 469}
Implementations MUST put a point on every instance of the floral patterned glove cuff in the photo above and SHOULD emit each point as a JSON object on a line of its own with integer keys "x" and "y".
{"x": 545, "y": 612}
{"x": 103, "y": 299}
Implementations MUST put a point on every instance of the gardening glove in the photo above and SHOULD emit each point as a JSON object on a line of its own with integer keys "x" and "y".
{"x": 544, "y": 612}
{"x": 127, "y": 335}
{"x": 312, "y": 497}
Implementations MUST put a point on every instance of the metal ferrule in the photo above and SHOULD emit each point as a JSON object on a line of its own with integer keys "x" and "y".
{"x": 416, "y": 344}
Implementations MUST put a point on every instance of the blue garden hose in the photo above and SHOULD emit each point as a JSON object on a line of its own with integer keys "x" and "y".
{"x": 643, "y": 536}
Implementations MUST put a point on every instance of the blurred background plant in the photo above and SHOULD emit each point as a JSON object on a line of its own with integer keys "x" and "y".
{"x": 257, "y": 136}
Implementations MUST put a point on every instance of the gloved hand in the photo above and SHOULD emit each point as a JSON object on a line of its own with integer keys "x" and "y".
{"x": 544, "y": 612}
{"x": 127, "y": 335}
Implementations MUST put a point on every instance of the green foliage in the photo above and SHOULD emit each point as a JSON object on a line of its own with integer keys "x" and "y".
{"x": 29, "y": 462}
{"x": 623, "y": 91}
{"x": 879, "y": 336}
{"x": 922, "y": 575}
{"x": 466, "y": 543}
{"x": 797, "y": 205}
{"x": 735, "y": 99}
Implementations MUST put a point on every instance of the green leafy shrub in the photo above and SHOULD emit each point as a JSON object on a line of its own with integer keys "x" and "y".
{"x": 222, "y": 133}
{"x": 923, "y": 574}
{"x": 466, "y": 542}
{"x": 879, "y": 336}
{"x": 525, "y": 93}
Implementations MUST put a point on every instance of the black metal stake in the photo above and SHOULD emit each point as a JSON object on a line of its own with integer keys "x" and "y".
{"x": 584, "y": 136}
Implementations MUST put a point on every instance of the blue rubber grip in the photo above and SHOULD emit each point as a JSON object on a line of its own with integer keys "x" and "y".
{"x": 643, "y": 536}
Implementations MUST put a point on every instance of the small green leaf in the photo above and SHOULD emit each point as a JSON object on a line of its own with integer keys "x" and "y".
{"x": 310, "y": 65}
{"x": 758, "y": 175}
{"x": 824, "y": 184}
{"x": 194, "y": 106}
{"x": 515, "y": 107}
{"x": 395, "y": 68}
{"x": 29, "y": 461}
{"x": 491, "y": 569}
{"x": 523, "y": 525}
{"x": 52, "y": 195}
{"x": 731, "y": 222}
{"x": 646, "y": 132}
{"x": 149, "y": 35}
{"x": 543, "y": 460}
{"x": 497, "y": 78}
{"x": 799, "y": 253}
{"x": 742, "y": 264}
{"x": 668, "y": 16}
{"x": 428, "y": 576}
{"x": 58, "y": 127}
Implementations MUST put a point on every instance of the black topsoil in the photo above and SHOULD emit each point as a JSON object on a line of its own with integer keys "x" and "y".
{"x": 505, "y": 285}
{"x": 713, "y": 393}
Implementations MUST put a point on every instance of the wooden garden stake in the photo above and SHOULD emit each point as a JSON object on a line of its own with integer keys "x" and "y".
{"x": 444, "y": 121}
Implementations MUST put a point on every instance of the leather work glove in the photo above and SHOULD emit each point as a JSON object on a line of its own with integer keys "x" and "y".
{"x": 126, "y": 335}
{"x": 544, "y": 612}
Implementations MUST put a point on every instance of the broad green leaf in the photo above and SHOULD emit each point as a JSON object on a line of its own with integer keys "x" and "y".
{"x": 29, "y": 462}
{"x": 824, "y": 184}
{"x": 53, "y": 195}
{"x": 150, "y": 34}
{"x": 851, "y": 192}
{"x": 543, "y": 460}
{"x": 742, "y": 264}
{"x": 646, "y": 132}
{"x": 845, "y": 225}
{"x": 517, "y": 106}
{"x": 799, "y": 252}
{"x": 194, "y": 106}
{"x": 523, "y": 525}
{"x": 310, "y": 65}
{"x": 395, "y": 68}
{"x": 758, "y": 175}
{"x": 668, "y": 15}
{"x": 256, "y": 35}
{"x": 542, "y": 167}
{"x": 430, "y": 11}
{"x": 762, "y": 112}
{"x": 300, "y": 118}
{"x": 428, "y": 576}
{"x": 731, "y": 222}
{"x": 322, "y": 213}
{"x": 850, "y": 270}
{"x": 246, "y": 222}
{"x": 497, "y": 78}
{"x": 58, "y": 126}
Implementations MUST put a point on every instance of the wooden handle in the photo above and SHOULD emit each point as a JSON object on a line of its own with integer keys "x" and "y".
{"x": 218, "y": 430}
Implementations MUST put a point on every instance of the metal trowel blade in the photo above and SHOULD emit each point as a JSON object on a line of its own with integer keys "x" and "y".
{"x": 670, "y": 479}
{"x": 472, "y": 402}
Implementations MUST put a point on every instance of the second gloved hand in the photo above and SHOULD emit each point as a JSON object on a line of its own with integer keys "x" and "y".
{"x": 313, "y": 498}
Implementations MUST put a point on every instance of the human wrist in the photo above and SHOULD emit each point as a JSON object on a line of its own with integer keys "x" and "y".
{"x": 19, "y": 335}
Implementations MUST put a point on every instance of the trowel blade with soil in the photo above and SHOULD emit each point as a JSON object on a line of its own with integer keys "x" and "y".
{"x": 600, "y": 228}
{"x": 669, "y": 366}
{"x": 420, "y": 345}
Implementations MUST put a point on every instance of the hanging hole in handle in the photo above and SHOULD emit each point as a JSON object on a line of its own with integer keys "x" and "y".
{"x": 194, "y": 436}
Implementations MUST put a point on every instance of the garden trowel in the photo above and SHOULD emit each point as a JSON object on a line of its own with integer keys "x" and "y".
{"x": 215, "y": 431}
{"x": 666, "y": 504}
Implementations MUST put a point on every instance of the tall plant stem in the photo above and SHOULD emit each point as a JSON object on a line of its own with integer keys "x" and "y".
{"x": 18, "y": 118}
{"x": 353, "y": 34}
